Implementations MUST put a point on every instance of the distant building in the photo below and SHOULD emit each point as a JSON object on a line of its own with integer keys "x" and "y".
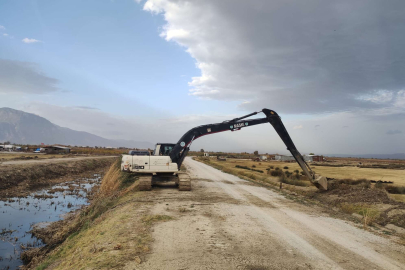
{"x": 317, "y": 158}
{"x": 56, "y": 149}
{"x": 308, "y": 158}
{"x": 283, "y": 158}
{"x": 263, "y": 157}
{"x": 206, "y": 154}
{"x": 7, "y": 147}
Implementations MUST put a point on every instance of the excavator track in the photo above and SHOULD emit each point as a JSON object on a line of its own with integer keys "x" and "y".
{"x": 184, "y": 182}
{"x": 145, "y": 183}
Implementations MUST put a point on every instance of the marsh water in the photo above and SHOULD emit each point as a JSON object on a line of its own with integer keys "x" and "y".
{"x": 18, "y": 215}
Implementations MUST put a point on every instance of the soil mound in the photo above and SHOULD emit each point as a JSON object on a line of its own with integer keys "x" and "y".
{"x": 360, "y": 194}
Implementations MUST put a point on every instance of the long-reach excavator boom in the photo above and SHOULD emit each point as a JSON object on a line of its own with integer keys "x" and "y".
{"x": 181, "y": 148}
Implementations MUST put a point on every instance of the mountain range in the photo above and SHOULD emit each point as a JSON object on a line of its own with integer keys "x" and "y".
{"x": 27, "y": 128}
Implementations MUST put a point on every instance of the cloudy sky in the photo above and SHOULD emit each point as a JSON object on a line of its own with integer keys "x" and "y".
{"x": 150, "y": 70}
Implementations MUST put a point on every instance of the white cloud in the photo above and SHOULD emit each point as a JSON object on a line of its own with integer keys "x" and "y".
{"x": 5, "y": 34}
{"x": 2, "y": 27}
{"x": 400, "y": 100}
{"x": 298, "y": 127}
{"x": 378, "y": 97}
{"x": 30, "y": 40}
{"x": 175, "y": 33}
{"x": 296, "y": 58}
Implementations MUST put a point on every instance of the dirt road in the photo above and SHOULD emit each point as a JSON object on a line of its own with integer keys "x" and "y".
{"x": 47, "y": 161}
{"x": 229, "y": 223}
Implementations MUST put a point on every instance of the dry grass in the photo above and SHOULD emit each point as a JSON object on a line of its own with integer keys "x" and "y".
{"x": 397, "y": 176}
{"x": 108, "y": 234}
{"x": 6, "y": 156}
{"x": 98, "y": 151}
{"x": 111, "y": 180}
{"x": 96, "y": 246}
{"x": 398, "y": 197}
{"x": 370, "y": 213}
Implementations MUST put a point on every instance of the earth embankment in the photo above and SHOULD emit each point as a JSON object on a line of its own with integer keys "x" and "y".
{"x": 22, "y": 177}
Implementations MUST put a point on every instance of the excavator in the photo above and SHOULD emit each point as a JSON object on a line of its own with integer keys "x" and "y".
{"x": 165, "y": 161}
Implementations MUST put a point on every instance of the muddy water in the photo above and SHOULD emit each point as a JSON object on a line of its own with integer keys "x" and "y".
{"x": 18, "y": 215}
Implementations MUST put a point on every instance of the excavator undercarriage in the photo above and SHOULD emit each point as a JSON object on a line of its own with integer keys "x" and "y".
{"x": 181, "y": 180}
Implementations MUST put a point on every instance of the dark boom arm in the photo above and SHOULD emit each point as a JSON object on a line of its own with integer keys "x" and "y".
{"x": 181, "y": 148}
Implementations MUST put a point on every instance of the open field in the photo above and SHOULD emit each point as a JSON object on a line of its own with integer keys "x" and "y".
{"x": 397, "y": 176}
{"x": 350, "y": 160}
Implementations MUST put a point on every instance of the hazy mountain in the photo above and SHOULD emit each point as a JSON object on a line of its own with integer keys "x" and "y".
{"x": 27, "y": 128}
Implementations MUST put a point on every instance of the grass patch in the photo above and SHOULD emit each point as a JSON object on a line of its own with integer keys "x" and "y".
{"x": 150, "y": 219}
{"x": 43, "y": 266}
{"x": 395, "y": 189}
{"x": 369, "y": 213}
{"x": 247, "y": 168}
{"x": 336, "y": 184}
{"x": 398, "y": 197}
{"x": 288, "y": 180}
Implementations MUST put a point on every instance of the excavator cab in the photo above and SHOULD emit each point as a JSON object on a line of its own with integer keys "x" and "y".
{"x": 163, "y": 149}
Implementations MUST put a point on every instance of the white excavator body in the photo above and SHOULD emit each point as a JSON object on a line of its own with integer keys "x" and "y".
{"x": 145, "y": 162}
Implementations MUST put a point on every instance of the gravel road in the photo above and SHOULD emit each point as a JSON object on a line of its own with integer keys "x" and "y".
{"x": 229, "y": 223}
{"x": 50, "y": 160}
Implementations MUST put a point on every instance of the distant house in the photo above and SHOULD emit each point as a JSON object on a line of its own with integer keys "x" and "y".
{"x": 8, "y": 147}
{"x": 56, "y": 149}
{"x": 206, "y": 154}
{"x": 308, "y": 158}
{"x": 263, "y": 157}
{"x": 317, "y": 158}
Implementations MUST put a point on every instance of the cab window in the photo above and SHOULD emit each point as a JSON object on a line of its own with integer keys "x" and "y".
{"x": 165, "y": 150}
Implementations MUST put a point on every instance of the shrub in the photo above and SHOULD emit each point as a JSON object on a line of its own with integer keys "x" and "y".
{"x": 395, "y": 189}
{"x": 379, "y": 185}
{"x": 349, "y": 182}
{"x": 271, "y": 167}
{"x": 247, "y": 168}
{"x": 253, "y": 166}
{"x": 276, "y": 173}
{"x": 295, "y": 177}
{"x": 285, "y": 168}
{"x": 284, "y": 179}
{"x": 277, "y": 168}
{"x": 297, "y": 171}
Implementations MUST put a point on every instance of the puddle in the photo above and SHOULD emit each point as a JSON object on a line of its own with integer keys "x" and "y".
{"x": 18, "y": 215}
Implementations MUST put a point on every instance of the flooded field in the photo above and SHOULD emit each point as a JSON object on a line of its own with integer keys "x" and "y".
{"x": 19, "y": 215}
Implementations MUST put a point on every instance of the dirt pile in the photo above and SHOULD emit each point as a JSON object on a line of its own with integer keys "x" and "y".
{"x": 360, "y": 194}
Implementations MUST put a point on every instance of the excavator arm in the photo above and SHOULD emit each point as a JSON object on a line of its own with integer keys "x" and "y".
{"x": 181, "y": 148}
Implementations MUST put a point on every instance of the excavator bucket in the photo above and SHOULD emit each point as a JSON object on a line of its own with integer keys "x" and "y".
{"x": 320, "y": 182}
